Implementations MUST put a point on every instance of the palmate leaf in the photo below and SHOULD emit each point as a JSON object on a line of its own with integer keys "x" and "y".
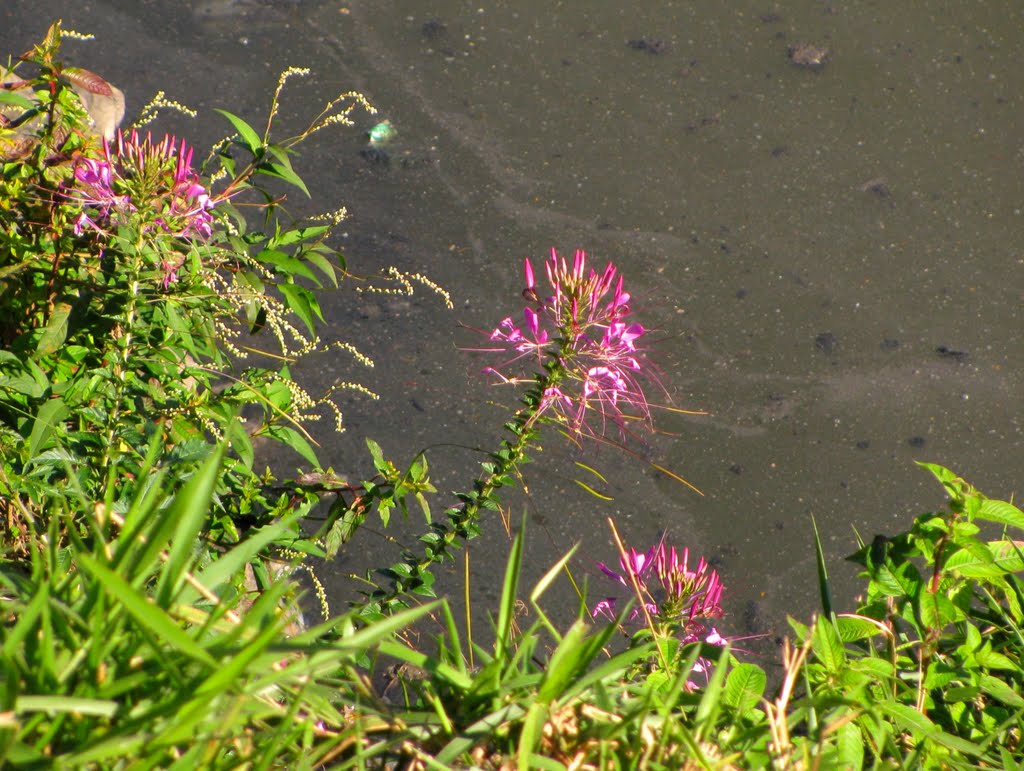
{"x": 744, "y": 687}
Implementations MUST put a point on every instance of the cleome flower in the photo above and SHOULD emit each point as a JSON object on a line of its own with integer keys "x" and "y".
{"x": 677, "y": 600}
{"x": 580, "y": 337}
{"x": 151, "y": 184}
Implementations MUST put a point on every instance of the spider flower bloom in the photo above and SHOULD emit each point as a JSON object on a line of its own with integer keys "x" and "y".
{"x": 580, "y": 335}
{"x": 634, "y": 564}
{"x": 94, "y": 190}
{"x": 676, "y": 597}
{"x": 696, "y": 594}
{"x": 139, "y": 176}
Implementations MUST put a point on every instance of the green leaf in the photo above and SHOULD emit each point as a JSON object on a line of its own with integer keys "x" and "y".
{"x": 239, "y": 441}
{"x": 292, "y": 438}
{"x": 943, "y": 474}
{"x": 900, "y": 580}
{"x": 1006, "y": 558}
{"x": 852, "y": 628}
{"x": 828, "y": 648}
{"x": 226, "y": 567}
{"x": 66, "y": 703}
{"x": 12, "y": 98}
{"x": 530, "y": 735}
{"x": 56, "y": 331}
{"x": 286, "y": 263}
{"x": 1002, "y": 512}
{"x": 991, "y": 659}
{"x": 325, "y": 265}
{"x": 26, "y": 623}
{"x": 189, "y": 512}
{"x": 824, "y": 585}
{"x": 294, "y": 236}
{"x": 509, "y": 595}
{"x": 283, "y": 169}
{"x": 850, "y": 747}
{"x": 246, "y": 132}
{"x": 303, "y": 303}
{"x": 936, "y": 610}
{"x": 50, "y": 415}
{"x": 998, "y": 689}
{"x": 744, "y": 687}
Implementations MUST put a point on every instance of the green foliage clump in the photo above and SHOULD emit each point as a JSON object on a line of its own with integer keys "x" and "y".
{"x": 128, "y": 284}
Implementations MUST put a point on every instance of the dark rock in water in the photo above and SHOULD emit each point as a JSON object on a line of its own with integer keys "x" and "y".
{"x": 826, "y": 342}
{"x": 433, "y": 29}
{"x": 917, "y": 442}
{"x": 863, "y": 444}
{"x": 755, "y": 619}
{"x": 878, "y": 187}
{"x": 377, "y": 155}
{"x": 736, "y": 469}
{"x": 651, "y": 45}
{"x": 948, "y": 353}
{"x": 890, "y": 344}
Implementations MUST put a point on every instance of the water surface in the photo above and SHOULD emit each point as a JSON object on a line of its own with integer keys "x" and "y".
{"x": 831, "y": 257}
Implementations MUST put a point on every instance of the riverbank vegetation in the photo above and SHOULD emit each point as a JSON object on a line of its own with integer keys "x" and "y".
{"x": 152, "y": 306}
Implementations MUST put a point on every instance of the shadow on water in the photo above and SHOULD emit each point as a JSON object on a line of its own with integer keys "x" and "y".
{"x": 818, "y": 209}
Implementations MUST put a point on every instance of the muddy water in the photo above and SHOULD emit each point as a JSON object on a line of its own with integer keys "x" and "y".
{"x": 831, "y": 255}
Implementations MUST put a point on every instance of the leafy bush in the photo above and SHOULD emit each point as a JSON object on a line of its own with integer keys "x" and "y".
{"x": 129, "y": 282}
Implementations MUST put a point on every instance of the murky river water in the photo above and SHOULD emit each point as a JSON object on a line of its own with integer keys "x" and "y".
{"x": 832, "y": 255}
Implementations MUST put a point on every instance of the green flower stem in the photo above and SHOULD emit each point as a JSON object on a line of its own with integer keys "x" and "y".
{"x": 412, "y": 575}
{"x": 121, "y": 366}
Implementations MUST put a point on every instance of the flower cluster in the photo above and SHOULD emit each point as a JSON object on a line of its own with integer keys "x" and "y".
{"x": 580, "y": 337}
{"x": 676, "y": 599}
{"x": 149, "y": 182}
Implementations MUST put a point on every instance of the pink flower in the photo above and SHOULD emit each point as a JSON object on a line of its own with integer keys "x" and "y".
{"x": 676, "y": 596}
{"x": 580, "y": 335}
{"x": 150, "y": 182}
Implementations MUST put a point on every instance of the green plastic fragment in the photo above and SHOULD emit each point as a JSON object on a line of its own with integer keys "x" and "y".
{"x": 382, "y": 133}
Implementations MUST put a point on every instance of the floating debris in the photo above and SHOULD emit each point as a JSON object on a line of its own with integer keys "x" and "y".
{"x": 948, "y": 353}
{"x": 651, "y": 45}
{"x": 375, "y": 155}
{"x": 382, "y": 133}
{"x": 826, "y": 342}
{"x": 809, "y": 57}
{"x": 433, "y": 29}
